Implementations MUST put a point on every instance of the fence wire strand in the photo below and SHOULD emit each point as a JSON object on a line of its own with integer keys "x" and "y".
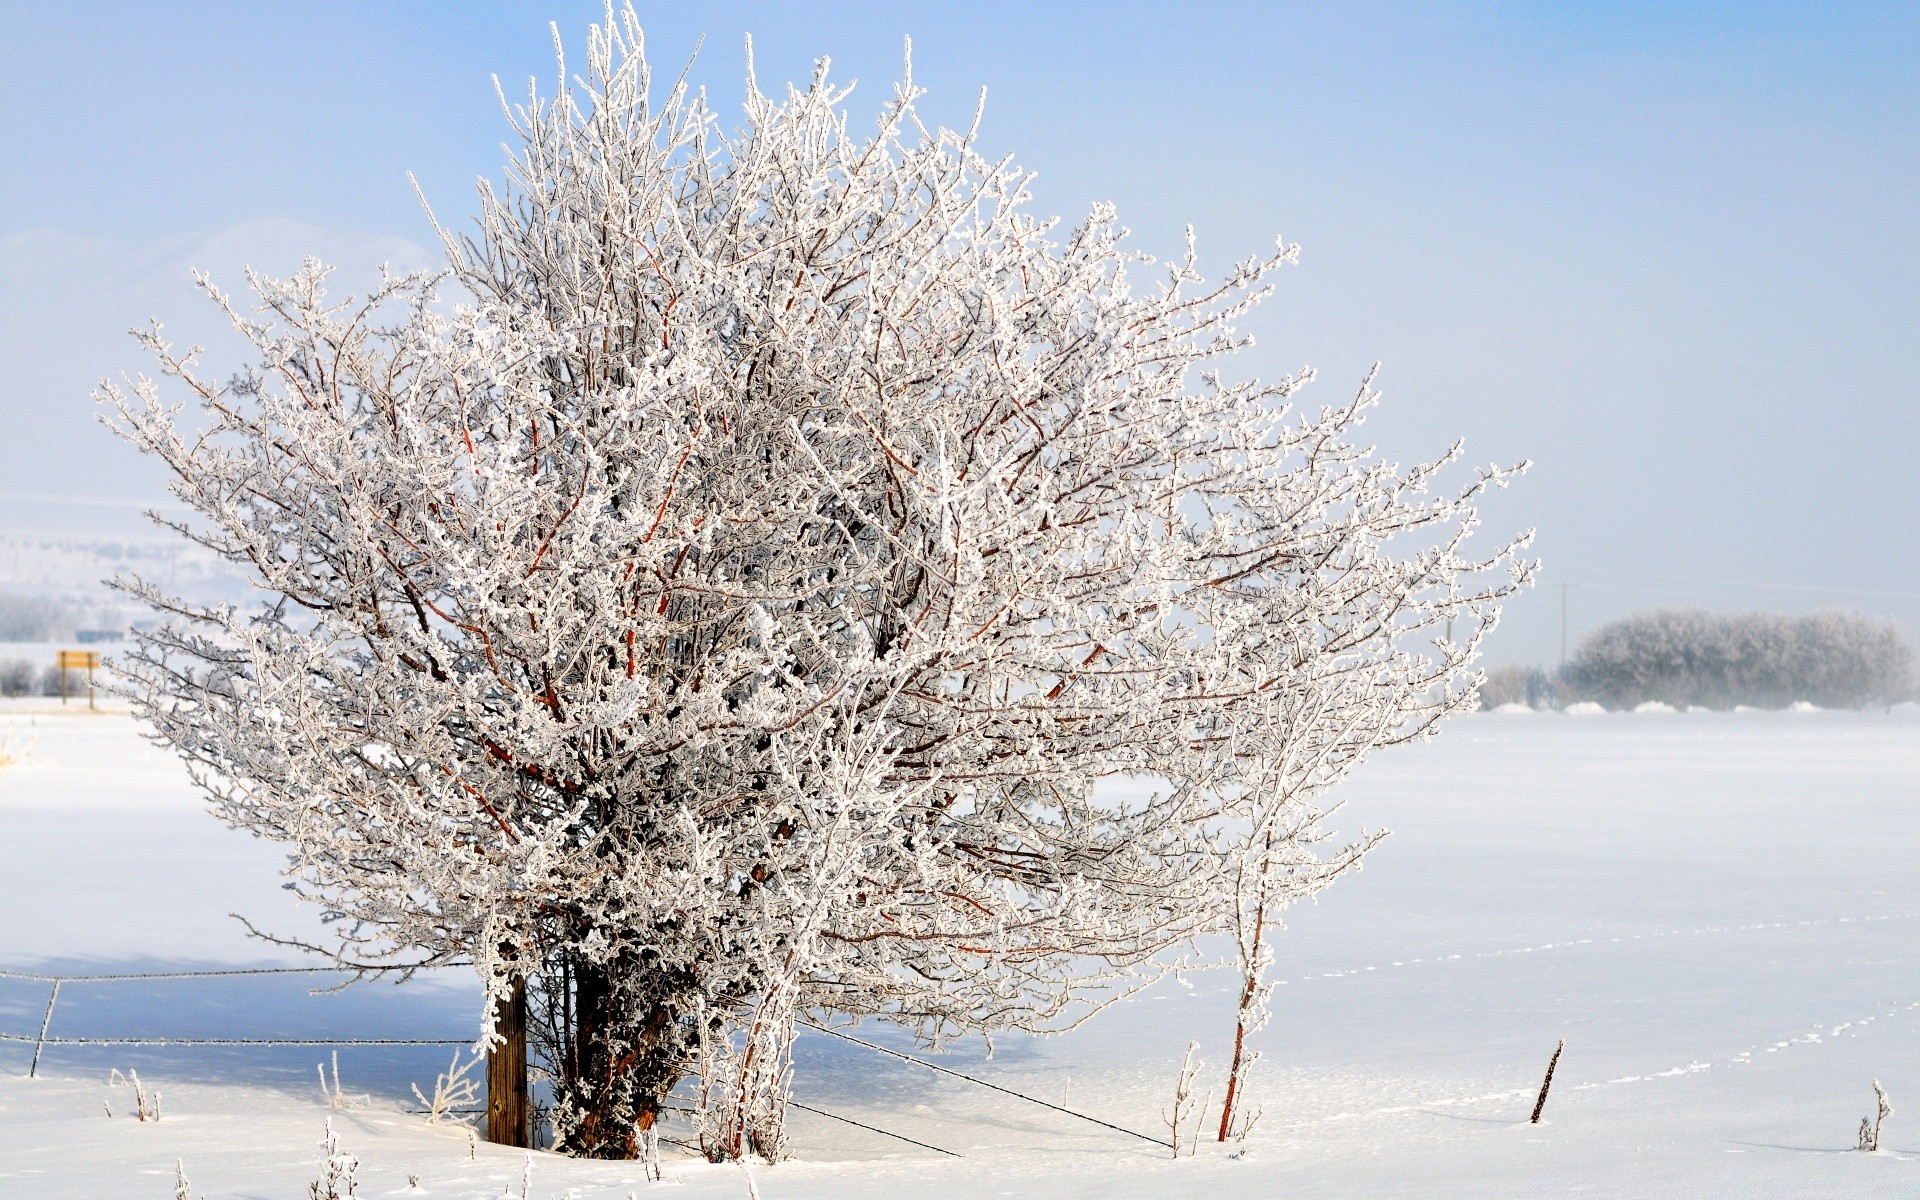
{"x": 932, "y": 1066}
{"x": 41, "y": 1041}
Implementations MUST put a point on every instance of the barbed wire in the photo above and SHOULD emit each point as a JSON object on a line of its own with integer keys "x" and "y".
{"x": 210, "y": 974}
{"x": 821, "y": 1112}
{"x": 171, "y": 1041}
{"x": 42, "y": 1040}
{"x": 932, "y": 1066}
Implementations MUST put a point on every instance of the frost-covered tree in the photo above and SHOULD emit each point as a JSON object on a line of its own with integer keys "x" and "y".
{"x": 730, "y": 610}
{"x": 1517, "y": 683}
{"x": 1687, "y": 656}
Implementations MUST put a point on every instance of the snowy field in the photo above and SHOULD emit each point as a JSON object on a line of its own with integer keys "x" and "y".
{"x": 1717, "y": 912}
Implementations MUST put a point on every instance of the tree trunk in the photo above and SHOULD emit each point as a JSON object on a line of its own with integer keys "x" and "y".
{"x": 627, "y": 1049}
{"x": 1233, "y": 1076}
{"x": 1251, "y": 968}
{"x": 608, "y": 1122}
{"x": 507, "y": 1122}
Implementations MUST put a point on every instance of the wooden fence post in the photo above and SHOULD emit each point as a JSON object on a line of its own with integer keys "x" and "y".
{"x": 1547, "y": 1082}
{"x": 507, "y": 1123}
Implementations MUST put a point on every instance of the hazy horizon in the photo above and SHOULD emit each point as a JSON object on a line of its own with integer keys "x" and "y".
{"x": 1667, "y": 253}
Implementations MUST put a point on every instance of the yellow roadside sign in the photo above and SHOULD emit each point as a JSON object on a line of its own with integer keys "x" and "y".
{"x": 78, "y": 660}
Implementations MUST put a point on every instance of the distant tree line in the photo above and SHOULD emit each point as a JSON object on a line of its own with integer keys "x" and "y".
{"x": 1691, "y": 658}
{"x": 19, "y": 677}
{"x": 34, "y": 619}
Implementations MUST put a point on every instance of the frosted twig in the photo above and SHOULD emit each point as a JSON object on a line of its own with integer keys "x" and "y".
{"x": 1182, "y": 1096}
{"x": 1869, "y": 1139}
{"x": 453, "y": 1088}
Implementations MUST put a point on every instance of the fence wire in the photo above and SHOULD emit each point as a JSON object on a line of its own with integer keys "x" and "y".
{"x": 42, "y": 1039}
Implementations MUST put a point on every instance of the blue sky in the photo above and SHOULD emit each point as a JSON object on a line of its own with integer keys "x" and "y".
{"x": 1669, "y": 252}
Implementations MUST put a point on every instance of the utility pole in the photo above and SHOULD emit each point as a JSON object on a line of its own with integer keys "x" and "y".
{"x": 507, "y": 1123}
{"x": 1564, "y": 589}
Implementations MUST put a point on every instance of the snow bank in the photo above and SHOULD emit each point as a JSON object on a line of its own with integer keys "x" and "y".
{"x": 1616, "y": 883}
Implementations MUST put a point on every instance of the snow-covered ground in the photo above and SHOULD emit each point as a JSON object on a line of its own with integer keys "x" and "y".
{"x": 1717, "y": 912}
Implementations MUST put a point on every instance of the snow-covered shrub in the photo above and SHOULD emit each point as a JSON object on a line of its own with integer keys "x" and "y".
{"x": 452, "y": 1089}
{"x": 51, "y": 682}
{"x": 338, "y": 1169}
{"x": 730, "y": 613}
{"x": 16, "y": 677}
{"x": 146, "y": 1105}
{"x": 1687, "y": 657}
{"x": 1518, "y": 684}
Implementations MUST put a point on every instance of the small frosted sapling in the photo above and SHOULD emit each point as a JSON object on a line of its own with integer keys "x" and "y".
{"x": 1193, "y": 1138}
{"x": 181, "y": 1185}
{"x": 1870, "y": 1130}
{"x": 335, "y": 1096}
{"x": 337, "y": 1168}
{"x": 146, "y": 1106}
{"x": 12, "y": 751}
{"x": 650, "y": 1155}
{"x": 1239, "y": 1121}
{"x": 1176, "y": 1119}
{"x": 451, "y": 1089}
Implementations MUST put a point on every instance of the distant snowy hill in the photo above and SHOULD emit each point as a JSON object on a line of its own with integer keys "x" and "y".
{"x": 72, "y": 570}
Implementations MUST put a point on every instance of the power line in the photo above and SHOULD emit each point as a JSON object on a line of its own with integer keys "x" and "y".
{"x": 1564, "y": 589}
{"x": 1818, "y": 589}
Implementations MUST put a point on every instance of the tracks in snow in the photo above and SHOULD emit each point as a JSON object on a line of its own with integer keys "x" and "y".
{"x": 1623, "y": 939}
{"x": 1817, "y": 1035}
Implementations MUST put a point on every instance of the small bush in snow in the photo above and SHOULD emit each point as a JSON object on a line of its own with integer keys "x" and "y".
{"x": 1517, "y": 684}
{"x": 452, "y": 1089}
{"x": 146, "y": 1105}
{"x": 16, "y": 677}
{"x": 12, "y": 750}
{"x": 335, "y": 1095}
{"x": 1687, "y": 657}
{"x": 76, "y": 683}
{"x": 337, "y": 1168}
